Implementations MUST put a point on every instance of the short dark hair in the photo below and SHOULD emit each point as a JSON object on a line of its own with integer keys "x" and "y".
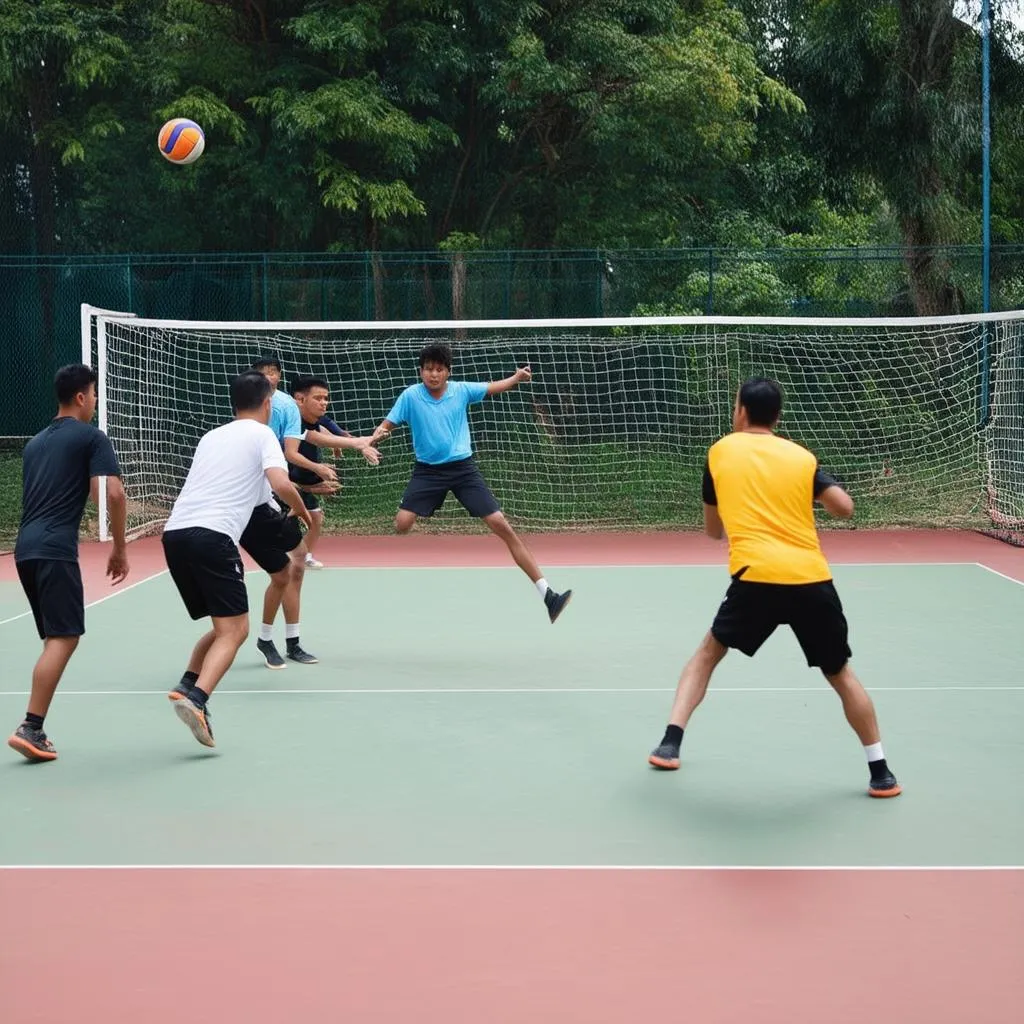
{"x": 435, "y": 352}
{"x": 72, "y": 380}
{"x": 265, "y": 361}
{"x": 306, "y": 382}
{"x": 762, "y": 398}
{"x": 249, "y": 391}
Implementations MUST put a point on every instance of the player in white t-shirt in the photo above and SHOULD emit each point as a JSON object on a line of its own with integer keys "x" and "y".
{"x": 234, "y": 468}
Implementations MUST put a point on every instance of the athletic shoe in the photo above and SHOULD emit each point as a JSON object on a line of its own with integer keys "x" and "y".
{"x": 296, "y": 653}
{"x": 312, "y": 563}
{"x": 556, "y": 603}
{"x": 885, "y": 786}
{"x": 665, "y": 757}
{"x": 32, "y": 744}
{"x": 181, "y": 691}
{"x": 270, "y": 654}
{"x": 197, "y": 719}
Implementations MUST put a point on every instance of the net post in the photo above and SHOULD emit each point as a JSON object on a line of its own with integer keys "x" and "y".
{"x": 101, "y": 393}
{"x": 86, "y": 321}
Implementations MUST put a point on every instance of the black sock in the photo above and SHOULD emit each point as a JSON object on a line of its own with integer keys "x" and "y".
{"x": 879, "y": 769}
{"x": 673, "y": 736}
{"x": 34, "y": 721}
{"x": 191, "y": 678}
{"x": 199, "y": 697}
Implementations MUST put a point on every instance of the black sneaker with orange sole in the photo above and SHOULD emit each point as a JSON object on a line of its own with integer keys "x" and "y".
{"x": 32, "y": 744}
{"x": 884, "y": 786}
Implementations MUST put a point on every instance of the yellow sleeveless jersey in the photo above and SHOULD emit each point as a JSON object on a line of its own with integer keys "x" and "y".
{"x": 764, "y": 487}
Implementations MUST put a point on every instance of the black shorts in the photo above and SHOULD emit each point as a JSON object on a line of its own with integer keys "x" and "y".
{"x": 54, "y": 592}
{"x": 429, "y": 486}
{"x": 207, "y": 570}
{"x": 751, "y": 611}
{"x": 311, "y": 501}
{"x": 268, "y": 537}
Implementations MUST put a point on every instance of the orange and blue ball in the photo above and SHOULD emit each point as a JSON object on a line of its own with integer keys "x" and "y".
{"x": 181, "y": 141}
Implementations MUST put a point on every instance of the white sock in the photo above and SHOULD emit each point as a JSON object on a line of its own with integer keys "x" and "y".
{"x": 291, "y": 631}
{"x": 542, "y": 586}
{"x": 266, "y": 632}
{"x": 874, "y": 752}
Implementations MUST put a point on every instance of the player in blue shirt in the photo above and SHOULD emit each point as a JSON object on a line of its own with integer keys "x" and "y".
{"x": 274, "y": 538}
{"x": 437, "y": 413}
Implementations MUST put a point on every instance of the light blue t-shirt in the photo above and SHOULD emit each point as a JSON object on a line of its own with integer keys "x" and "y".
{"x": 440, "y": 426}
{"x": 285, "y": 418}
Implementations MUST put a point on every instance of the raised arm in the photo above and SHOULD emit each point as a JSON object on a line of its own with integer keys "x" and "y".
{"x": 296, "y": 458}
{"x": 523, "y": 374}
{"x": 324, "y": 439}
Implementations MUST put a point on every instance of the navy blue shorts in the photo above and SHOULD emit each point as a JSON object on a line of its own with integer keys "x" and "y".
{"x": 429, "y": 486}
{"x": 54, "y": 591}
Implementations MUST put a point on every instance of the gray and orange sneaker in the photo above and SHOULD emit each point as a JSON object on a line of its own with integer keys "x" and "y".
{"x": 197, "y": 719}
{"x": 181, "y": 691}
{"x": 32, "y": 744}
{"x": 664, "y": 756}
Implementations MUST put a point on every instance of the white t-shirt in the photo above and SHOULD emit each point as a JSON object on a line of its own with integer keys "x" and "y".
{"x": 227, "y": 478}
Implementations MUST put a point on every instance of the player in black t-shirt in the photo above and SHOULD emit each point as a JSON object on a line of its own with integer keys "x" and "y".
{"x": 60, "y": 469}
{"x": 311, "y": 394}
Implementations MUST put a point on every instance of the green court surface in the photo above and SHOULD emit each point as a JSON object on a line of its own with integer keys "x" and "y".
{"x": 449, "y": 723}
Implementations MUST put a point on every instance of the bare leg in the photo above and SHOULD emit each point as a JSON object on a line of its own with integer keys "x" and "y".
{"x": 694, "y": 679}
{"x": 313, "y": 533}
{"x": 857, "y": 705}
{"x": 291, "y": 599}
{"x": 693, "y": 684}
{"x": 57, "y": 651}
{"x": 500, "y": 527}
{"x": 195, "y": 663}
{"x": 229, "y": 633}
{"x": 274, "y": 594}
{"x": 405, "y": 520}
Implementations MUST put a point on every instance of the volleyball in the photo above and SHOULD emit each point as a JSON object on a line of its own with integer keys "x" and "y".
{"x": 181, "y": 141}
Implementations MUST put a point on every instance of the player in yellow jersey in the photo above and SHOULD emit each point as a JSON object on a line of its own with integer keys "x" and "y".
{"x": 759, "y": 491}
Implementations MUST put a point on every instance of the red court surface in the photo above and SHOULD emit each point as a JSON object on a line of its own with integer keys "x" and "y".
{"x": 657, "y": 548}
{"x": 513, "y": 946}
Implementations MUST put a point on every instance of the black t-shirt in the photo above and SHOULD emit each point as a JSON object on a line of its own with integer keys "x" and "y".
{"x": 306, "y": 477}
{"x": 56, "y": 467}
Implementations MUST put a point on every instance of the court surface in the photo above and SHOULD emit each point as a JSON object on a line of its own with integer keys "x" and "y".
{"x": 451, "y": 818}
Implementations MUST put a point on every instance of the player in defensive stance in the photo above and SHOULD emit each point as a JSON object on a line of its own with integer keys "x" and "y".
{"x": 436, "y": 411}
{"x": 234, "y": 469}
{"x": 759, "y": 490}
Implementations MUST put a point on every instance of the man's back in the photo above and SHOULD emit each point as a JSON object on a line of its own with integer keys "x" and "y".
{"x": 764, "y": 487}
{"x": 56, "y": 469}
{"x": 226, "y": 480}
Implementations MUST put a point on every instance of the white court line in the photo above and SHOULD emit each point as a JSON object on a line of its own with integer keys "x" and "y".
{"x": 720, "y": 566}
{"x": 511, "y": 867}
{"x": 99, "y": 600}
{"x": 996, "y": 572}
{"x": 429, "y": 691}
